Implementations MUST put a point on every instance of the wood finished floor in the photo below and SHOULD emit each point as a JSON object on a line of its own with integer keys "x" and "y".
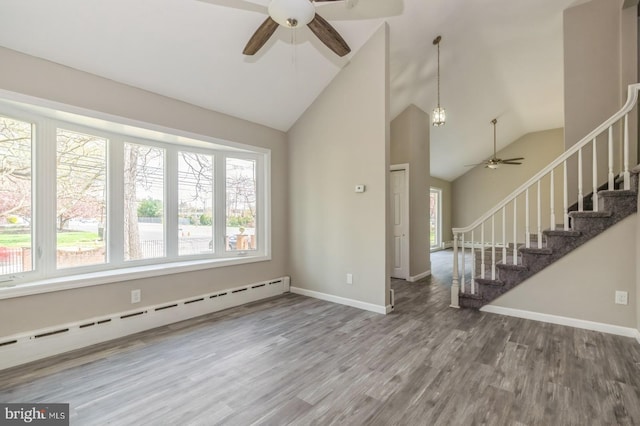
{"x": 296, "y": 360}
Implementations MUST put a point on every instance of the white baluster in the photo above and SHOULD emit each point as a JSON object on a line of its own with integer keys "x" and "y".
{"x": 527, "y": 230}
{"x": 565, "y": 199}
{"x": 610, "y": 144}
{"x": 580, "y": 201}
{"x": 627, "y": 176}
{"x": 594, "y": 197}
{"x": 539, "y": 219}
{"x": 493, "y": 247}
{"x": 552, "y": 202}
{"x": 455, "y": 286}
{"x": 504, "y": 234}
{"x": 463, "y": 275}
{"x": 515, "y": 232}
{"x": 482, "y": 267}
{"x": 473, "y": 264}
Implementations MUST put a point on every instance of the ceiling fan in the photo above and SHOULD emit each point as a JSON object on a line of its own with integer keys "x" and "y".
{"x": 494, "y": 162}
{"x": 293, "y": 14}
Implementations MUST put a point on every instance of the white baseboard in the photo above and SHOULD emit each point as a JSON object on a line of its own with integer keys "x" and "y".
{"x": 571, "y": 322}
{"x": 37, "y": 344}
{"x": 342, "y": 300}
{"x": 419, "y": 276}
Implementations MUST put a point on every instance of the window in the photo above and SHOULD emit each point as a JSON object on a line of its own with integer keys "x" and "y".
{"x": 16, "y": 240}
{"x": 241, "y": 205}
{"x": 435, "y": 213}
{"x": 109, "y": 197}
{"x": 195, "y": 203}
{"x": 143, "y": 202}
{"x": 81, "y": 199}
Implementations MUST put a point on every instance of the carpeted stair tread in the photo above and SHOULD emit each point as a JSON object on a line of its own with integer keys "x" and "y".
{"x": 536, "y": 250}
{"x": 488, "y": 281}
{"x": 590, "y": 214}
{"x": 511, "y": 267}
{"x": 561, "y": 232}
{"x": 618, "y": 193}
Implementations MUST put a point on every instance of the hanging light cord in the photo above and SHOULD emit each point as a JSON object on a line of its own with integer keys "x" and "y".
{"x": 438, "y": 73}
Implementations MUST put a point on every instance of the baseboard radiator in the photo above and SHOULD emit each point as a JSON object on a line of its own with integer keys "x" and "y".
{"x": 38, "y": 344}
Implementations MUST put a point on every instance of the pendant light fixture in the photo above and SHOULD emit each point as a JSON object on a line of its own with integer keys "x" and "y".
{"x": 438, "y": 117}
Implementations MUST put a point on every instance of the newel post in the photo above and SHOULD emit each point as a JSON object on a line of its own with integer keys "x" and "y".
{"x": 455, "y": 285}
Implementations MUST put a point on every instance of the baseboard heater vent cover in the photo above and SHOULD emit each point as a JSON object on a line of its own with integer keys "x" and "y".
{"x": 26, "y": 347}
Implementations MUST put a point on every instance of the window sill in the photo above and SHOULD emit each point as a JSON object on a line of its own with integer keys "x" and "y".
{"x": 125, "y": 274}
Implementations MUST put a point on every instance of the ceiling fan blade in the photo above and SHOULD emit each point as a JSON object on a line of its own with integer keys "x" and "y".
{"x": 328, "y": 35}
{"x": 513, "y": 159}
{"x": 473, "y": 165}
{"x": 319, "y": 1}
{"x": 260, "y": 37}
{"x": 510, "y": 162}
{"x": 239, "y": 4}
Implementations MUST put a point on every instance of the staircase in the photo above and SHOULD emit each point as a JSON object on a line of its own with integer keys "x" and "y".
{"x": 504, "y": 256}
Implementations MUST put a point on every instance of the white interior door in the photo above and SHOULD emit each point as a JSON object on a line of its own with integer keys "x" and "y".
{"x": 400, "y": 218}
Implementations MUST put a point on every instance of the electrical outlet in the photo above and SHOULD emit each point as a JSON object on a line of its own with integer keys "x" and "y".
{"x": 622, "y": 298}
{"x": 349, "y": 278}
{"x": 136, "y": 296}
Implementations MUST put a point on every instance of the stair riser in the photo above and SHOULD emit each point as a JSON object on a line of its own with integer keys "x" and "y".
{"x": 538, "y": 261}
{"x": 561, "y": 242}
{"x": 618, "y": 205}
{"x": 591, "y": 225}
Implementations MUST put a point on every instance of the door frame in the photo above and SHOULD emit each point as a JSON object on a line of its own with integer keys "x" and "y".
{"x": 405, "y": 246}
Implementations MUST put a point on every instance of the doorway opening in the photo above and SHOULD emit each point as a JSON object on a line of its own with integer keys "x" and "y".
{"x": 435, "y": 218}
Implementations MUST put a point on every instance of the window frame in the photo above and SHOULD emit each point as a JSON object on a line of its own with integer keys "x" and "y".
{"x": 45, "y": 121}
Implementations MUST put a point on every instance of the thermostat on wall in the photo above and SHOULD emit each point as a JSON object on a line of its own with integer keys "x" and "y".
{"x": 360, "y": 188}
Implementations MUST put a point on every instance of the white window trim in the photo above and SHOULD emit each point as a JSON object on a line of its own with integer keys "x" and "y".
{"x": 47, "y": 116}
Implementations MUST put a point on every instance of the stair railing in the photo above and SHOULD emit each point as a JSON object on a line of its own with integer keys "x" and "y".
{"x": 503, "y": 241}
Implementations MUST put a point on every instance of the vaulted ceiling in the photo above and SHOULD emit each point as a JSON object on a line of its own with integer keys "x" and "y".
{"x": 499, "y": 58}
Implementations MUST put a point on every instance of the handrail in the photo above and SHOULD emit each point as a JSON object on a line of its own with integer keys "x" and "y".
{"x": 632, "y": 97}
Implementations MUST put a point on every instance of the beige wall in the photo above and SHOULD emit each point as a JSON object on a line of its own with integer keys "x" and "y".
{"x": 340, "y": 141}
{"x": 600, "y": 61}
{"x": 478, "y": 190}
{"x": 445, "y": 186}
{"x": 410, "y": 145}
{"x": 43, "y": 79}
{"x": 582, "y": 284}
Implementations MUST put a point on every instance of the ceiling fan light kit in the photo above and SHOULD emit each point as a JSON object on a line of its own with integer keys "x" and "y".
{"x": 291, "y": 13}
{"x": 438, "y": 116}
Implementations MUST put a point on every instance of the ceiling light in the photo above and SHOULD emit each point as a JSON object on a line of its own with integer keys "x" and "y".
{"x": 438, "y": 117}
{"x": 292, "y": 13}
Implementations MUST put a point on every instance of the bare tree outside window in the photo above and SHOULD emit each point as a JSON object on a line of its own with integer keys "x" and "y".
{"x": 195, "y": 203}
{"x": 143, "y": 181}
{"x": 15, "y": 196}
{"x": 241, "y": 204}
{"x": 81, "y": 199}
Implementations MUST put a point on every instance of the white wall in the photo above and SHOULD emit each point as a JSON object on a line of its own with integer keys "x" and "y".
{"x": 410, "y": 145}
{"x": 39, "y": 78}
{"x": 340, "y": 141}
